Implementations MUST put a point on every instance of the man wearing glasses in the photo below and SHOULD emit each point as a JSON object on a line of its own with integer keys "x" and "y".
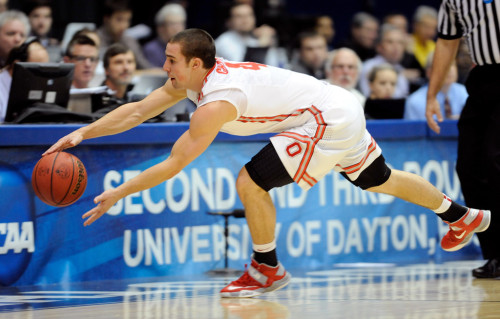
{"x": 83, "y": 52}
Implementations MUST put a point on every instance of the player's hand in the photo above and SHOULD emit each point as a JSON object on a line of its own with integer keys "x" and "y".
{"x": 432, "y": 109}
{"x": 70, "y": 140}
{"x": 104, "y": 202}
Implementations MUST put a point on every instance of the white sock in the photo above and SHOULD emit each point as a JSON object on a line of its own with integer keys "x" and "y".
{"x": 265, "y": 247}
{"x": 445, "y": 205}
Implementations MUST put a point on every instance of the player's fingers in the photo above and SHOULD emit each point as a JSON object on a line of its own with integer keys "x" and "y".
{"x": 90, "y": 212}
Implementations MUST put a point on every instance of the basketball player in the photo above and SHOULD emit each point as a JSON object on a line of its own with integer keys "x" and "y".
{"x": 319, "y": 127}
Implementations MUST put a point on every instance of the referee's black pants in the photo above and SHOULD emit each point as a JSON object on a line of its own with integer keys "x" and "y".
{"x": 478, "y": 161}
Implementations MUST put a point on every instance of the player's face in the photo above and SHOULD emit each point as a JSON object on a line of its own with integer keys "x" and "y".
{"x": 384, "y": 84}
{"x": 175, "y": 65}
{"x": 41, "y": 20}
{"x": 12, "y": 34}
{"x": 121, "y": 68}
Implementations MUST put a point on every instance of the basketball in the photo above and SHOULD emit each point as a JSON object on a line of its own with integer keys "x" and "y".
{"x": 59, "y": 179}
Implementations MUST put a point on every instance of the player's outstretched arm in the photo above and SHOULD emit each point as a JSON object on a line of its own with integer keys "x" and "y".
{"x": 444, "y": 56}
{"x": 206, "y": 123}
{"x": 123, "y": 118}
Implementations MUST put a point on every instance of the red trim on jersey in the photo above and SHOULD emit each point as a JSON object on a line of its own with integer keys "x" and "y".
{"x": 356, "y": 167}
{"x": 200, "y": 96}
{"x": 276, "y": 118}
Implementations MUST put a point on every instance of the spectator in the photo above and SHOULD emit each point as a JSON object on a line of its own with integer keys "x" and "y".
{"x": 4, "y": 5}
{"x": 244, "y": 42}
{"x": 83, "y": 52}
{"x": 170, "y": 20}
{"x": 342, "y": 68}
{"x": 119, "y": 63}
{"x": 14, "y": 29}
{"x": 413, "y": 71}
{"x": 31, "y": 51}
{"x": 451, "y": 97}
{"x": 382, "y": 80}
{"x": 398, "y": 20}
{"x": 381, "y": 104}
{"x": 364, "y": 31}
{"x": 40, "y": 16}
{"x": 312, "y": 56}
{"x": 390, "y": 50}
{"x": 325, "y": 27}
{"x": 421, "y": 43}
{"x": 116, "y": 19}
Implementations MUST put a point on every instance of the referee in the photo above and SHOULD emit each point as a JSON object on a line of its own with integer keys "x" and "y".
{"x": 478, "y": 160}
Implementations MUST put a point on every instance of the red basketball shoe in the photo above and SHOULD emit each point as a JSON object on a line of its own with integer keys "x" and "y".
{"x": 257, "y": 279}
{"x": 461, "y": 231}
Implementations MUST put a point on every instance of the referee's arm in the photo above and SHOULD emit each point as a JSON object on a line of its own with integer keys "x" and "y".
{"x": 444, "y": 57}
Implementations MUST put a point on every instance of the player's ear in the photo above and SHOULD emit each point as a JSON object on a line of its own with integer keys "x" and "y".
{"x": 197, "y": 63}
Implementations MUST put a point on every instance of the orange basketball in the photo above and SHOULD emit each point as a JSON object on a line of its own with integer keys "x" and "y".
{"x": 59, "y": 179}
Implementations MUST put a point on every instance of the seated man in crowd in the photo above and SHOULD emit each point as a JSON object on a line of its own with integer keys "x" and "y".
{"x": 421, "y": 43}
{"x": 244, "y": 42}
{"x": 116, "y": 19}
{"x": 14, "y": 30}
{"x": 119, "y": 65}
{"x": 390, "y": 48}
{"x": 83, "y": 52}
{"x": 31, "y": 51}
{"x": 313, "y": 53}
{"x": 170, "y": 20}
{"x": 40, "y": 16}
{"x": 364, "y": 31}
{"x": 342, "y": 69}
{"x": 451, "y": 98}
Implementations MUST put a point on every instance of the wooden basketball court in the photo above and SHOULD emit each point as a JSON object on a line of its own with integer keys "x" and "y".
{"x": 419, "y": 291}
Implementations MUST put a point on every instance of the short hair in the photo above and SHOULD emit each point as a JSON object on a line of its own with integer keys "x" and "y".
{"x": 171, "y": 9}
{"x": 360, "y": 18}
{"x": 79, "y": 39}
{"x": 31, "y": 5}
{"x": 381, "y": 67}
{"x": 113, "y": 50}
{"x": 386, "y": 28}
{"x": 308, "y": 35}
{"x": 333, "y": 53}
{"x": 114, "y": 6}
{"x": 10, "y": 15}
{"x": 424, "y": 11}
{"x": 20, "y": 53}
{"x": 196, "y": 43}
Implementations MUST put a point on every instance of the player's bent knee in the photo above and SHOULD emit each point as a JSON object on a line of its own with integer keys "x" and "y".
{"x": 374, "y": 175}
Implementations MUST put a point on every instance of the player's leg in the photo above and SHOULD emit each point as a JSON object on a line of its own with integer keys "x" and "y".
{"x": 464, "y": 222}
{"x": 264, "y": 172}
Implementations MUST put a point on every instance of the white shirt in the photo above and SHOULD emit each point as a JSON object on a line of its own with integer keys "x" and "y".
{"x": 5, "y": 83}
{"x": 272, "y": 100}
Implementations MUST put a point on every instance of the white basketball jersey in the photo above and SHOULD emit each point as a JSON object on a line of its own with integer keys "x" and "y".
{"x": 276, "y": 99}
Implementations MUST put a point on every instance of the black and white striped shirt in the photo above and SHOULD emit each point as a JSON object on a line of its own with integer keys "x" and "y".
{"x": 478, "y": 21}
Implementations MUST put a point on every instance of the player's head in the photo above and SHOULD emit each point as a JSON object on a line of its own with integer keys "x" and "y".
{"x": 190, "y": 53}
{"x": 196, "y": 43}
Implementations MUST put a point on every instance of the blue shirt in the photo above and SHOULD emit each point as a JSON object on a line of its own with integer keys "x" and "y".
{"x": 416, "y": 102}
